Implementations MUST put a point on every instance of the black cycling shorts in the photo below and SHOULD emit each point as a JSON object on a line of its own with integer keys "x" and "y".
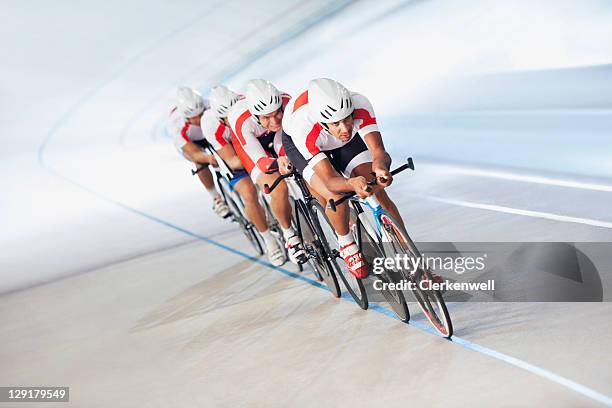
{"x": 344, "y": 159}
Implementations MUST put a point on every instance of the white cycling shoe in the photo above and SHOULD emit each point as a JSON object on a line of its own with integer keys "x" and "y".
{"x": 354, "y": 260}
{"x": 295, "y": 249}
{"x": 276, "y": 255}
{"x": 220, "y": 208}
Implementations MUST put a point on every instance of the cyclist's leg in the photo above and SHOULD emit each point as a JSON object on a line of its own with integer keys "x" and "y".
{"x": 279, "y": 198}
{"x": 206, "y": 177}
{"x": 252, "y": 207}
{"x": 339, "y": 218}
{"x": 219, "y": 206}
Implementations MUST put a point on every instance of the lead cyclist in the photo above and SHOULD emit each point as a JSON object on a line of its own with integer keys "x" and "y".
{"x": 331, "y": 136}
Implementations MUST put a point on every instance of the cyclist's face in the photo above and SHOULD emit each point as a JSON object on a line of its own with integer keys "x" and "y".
{"x": 195, "y": 120}
{"x": 272, "y": 121}
{"x": 342, "y": 129}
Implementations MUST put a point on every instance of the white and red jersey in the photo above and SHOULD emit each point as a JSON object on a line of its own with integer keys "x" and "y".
{"x": 311, "y": 138}
{"x": 216, "y": 132}
{"x": 182, "y": 131}
{"x": 249, "y": 138}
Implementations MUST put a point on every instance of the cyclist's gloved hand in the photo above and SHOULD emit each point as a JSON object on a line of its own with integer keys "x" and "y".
{"x": 268, "y": 165}
{"x": 383, "y": 176}
{"x": 212, "y": 161}
{"x": 360, "y": 186}
{"x": 284, "y": 165}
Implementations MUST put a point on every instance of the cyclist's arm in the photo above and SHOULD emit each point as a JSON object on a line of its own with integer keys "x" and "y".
{"x": 196, "y": 155}
{"x": 380, "y": 157}
{"x": 253, "y": 149}
{"x": 229, "y": 156}
{"x": 337, "y": 183}
{"x": 381, "y": 161}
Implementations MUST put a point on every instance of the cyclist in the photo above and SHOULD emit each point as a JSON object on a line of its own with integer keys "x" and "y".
{"x": 257, "y": 124}
{"x": 218, "y": 133}
{"x": 332, "y": 138}
{"x": 184, "y": 126}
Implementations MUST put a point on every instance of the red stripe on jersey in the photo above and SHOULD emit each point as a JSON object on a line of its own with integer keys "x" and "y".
{"x": 364, "y": 115}
{"x": 219, "y": 134}
{"x": 242, "y": 155}
{"x": 300, "y": 101}
{"x": 311, "y": 139}
{"x": 245, "y": 115}
{"x": 281, "y": 152}
{"x": 184, "y": 132}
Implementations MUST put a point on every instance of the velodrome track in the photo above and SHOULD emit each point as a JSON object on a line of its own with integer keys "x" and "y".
{"x": 118, "y": 280}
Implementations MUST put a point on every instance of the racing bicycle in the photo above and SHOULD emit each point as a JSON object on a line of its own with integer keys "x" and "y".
{"x": 307, "y": 211}
{"x": 223, "y": 177}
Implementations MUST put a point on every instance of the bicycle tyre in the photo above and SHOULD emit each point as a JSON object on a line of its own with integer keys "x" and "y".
{"x": 317, "y": 255}
{"x": 395, "y": 298}
{"x": 426, "y": 299}
{"x": 329, "y": 238}
{"x": 236, "y": 206}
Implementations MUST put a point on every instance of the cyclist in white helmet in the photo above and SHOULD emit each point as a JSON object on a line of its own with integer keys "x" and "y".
{"x": 332, "y": 138}
{"x": 257, "y": 124}
{"x": 184, "y": 126}
{"x": 218, "y": 133}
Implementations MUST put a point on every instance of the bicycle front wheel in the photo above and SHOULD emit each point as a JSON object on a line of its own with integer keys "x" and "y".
{"x": 430, "y": 301}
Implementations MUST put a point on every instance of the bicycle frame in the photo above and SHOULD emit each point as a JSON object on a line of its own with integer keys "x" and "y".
{"x": 376, "y": 209}
{"x": 222, "y": 170}
{"x": 304, "y": 199}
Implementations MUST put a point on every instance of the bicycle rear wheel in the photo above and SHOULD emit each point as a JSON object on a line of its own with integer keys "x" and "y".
{"x": 317, "y": 257}
{"x": 430, "y": 301}
{"x": 327, "y": 233}
{"x": 372, "y": 248}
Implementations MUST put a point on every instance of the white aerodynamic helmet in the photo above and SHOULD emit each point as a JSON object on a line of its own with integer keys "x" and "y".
{"x": 222, "y": 99}
{"x": 189, "y": 102}
{"x": 328, "y": 100}
{"x": 262, "y": 97}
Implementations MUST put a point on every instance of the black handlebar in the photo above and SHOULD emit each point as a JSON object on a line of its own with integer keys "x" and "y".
{"x": 268, "y": 189}
{"x": 333, "y": 204}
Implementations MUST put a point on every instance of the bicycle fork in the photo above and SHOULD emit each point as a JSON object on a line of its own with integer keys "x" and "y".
{"x": 377, "y": 210}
